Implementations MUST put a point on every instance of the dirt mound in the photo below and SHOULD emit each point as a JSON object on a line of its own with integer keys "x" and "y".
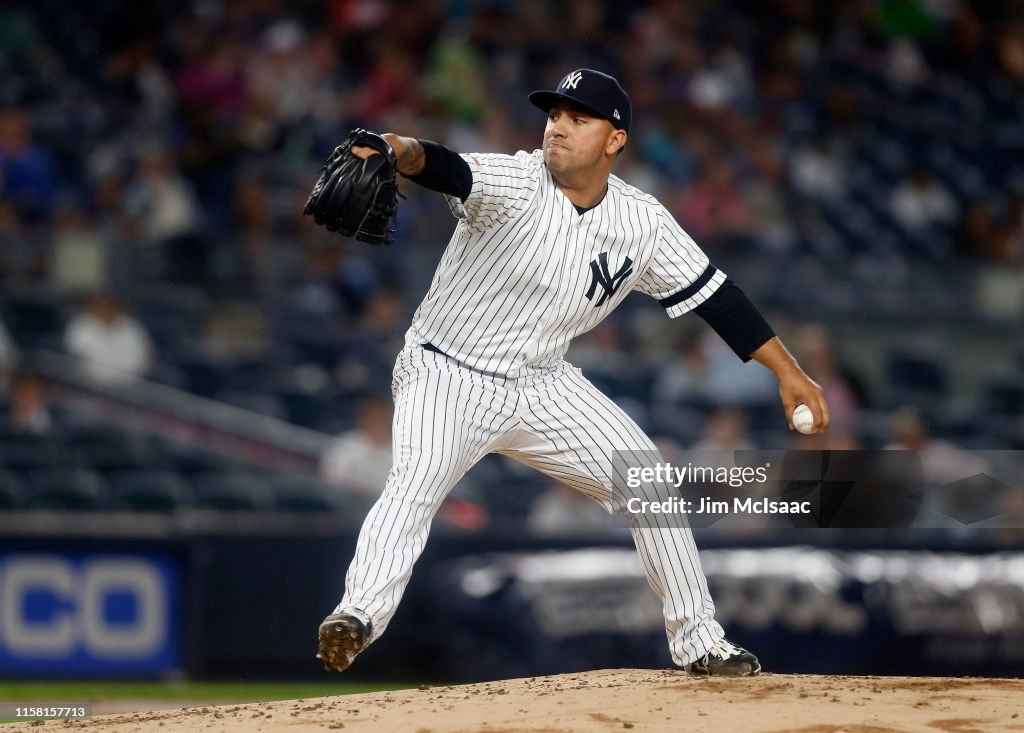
{"x": 612, "y": 700}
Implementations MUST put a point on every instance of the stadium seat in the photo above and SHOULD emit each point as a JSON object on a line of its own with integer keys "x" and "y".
{"x": 149, "y": 491}
{"x": 1005, "y": 395}
{"x": 914, "y": 376}
{"x": 66, "y": 490}
{"x": 302, "y": 494}
{"x": 311, "y": 410}
{"x": 35, "y": 318}
{"x": 187, "y": 459}
{"x": 12, "y": 491}
{"x": 109, "y": 450}
{"x": 26, "y": 452}
{"x": 170, "y": 310}
{"x": 205, "y": 372}
{"x": 232, "y": 491}
{"x": 258, "y": 372}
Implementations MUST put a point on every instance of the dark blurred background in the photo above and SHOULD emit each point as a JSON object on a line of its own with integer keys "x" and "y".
{"x": 196, "y": 381}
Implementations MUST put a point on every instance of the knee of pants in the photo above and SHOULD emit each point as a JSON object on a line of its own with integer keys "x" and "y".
{"x": 420, "y": 484}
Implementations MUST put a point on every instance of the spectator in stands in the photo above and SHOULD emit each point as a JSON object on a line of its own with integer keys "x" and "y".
{"x": 921, "y": 201}
{"x": 278, "y": 76}
{"x": 359, "y": 460}
{"x": 725, "y": 430}
{"x": 8, "y": 357}
{"x": 27, "y": 176}
{"x": 813, "y": 345}
{"x": 712, "y": 209}
{"x": 373, "y": 343}
{"x": 390, "y": 84}
{"x": 733, "y": 382}
{"x": 562, "y": 511}
{"x": 161, "y": 211}
{"x": 159, "y": 199}
{"x": 941, "y": 461}
{"x": 1008, "y": 238}
{"x": 704, "y": 374}
{"x": 770, "y": 221}
{"x": 818, "y": 171}
{"x": 686, "y": 377}
{"x": 113, "y": 346}
{"x": 602, "y": 354}
{"x": 80, "y": 251}
{"x": 974, "y": 235}
{"x": 254, "y": 222}
{"x": 1010, "y": 51}
{"x": 30, "y": 410}
{"x": 1012, "y": 505}
{"x": 24, "y": 254}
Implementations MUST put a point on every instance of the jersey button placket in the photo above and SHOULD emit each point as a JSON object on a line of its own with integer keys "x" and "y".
{"x": 569, "y": 258}
{"x": 557, "y": 278}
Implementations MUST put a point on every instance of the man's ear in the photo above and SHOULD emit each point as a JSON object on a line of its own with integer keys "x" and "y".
{"x": 616, "y": 142}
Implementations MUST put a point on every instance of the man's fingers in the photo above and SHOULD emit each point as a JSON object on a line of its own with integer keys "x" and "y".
{"x": 824, "y": 414}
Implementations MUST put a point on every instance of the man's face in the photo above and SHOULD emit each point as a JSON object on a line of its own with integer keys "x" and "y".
{"x": 575, "y": 139}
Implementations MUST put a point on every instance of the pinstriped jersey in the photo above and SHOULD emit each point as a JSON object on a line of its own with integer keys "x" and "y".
{"x": 524, "y": 273}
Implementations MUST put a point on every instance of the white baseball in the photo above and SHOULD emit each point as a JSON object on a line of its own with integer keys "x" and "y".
{"x": 803, "y": 419}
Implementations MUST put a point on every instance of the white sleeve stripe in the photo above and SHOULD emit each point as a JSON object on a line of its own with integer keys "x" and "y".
{"x": 690, "y": 290}
{"x": 697, "y": 298}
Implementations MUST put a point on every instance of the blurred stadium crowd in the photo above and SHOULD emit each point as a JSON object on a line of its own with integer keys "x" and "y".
{"x": 855, "y": 159}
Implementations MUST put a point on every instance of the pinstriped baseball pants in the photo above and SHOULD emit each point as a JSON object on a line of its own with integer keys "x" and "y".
{"x": 448, "y": 417}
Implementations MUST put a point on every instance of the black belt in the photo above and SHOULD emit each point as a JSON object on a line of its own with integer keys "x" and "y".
{"x": 430, "y": 347}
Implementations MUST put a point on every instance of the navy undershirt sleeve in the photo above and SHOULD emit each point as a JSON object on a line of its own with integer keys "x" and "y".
{"x": 733, "y": 317}
{"x": 444, "y": 171}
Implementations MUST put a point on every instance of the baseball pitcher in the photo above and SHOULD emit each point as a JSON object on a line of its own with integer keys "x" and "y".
{"x": 547, "y": 244}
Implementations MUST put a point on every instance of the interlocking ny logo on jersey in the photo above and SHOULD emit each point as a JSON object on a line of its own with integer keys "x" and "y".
{"x": 601, "y": 275}
{"x": 572, "y": 80}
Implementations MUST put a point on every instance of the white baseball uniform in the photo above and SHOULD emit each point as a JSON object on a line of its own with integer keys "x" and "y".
{"x": 524, "y": 274}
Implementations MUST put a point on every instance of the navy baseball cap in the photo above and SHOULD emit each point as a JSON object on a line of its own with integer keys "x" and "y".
{"x": 598, "y": 92}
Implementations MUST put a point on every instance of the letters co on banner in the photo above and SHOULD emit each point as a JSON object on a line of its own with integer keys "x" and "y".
{"x": 82, "y": 613}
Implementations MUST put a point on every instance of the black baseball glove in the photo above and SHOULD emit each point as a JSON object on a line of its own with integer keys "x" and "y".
{"x": 355, "y": 196}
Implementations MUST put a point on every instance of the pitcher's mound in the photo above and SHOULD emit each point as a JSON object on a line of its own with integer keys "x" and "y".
{"x": 615, "y": 700}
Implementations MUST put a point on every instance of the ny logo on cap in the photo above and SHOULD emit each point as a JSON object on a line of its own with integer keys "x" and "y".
{"x": 572, "y": 80}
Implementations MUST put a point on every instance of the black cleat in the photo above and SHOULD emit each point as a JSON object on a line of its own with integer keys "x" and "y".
{"x": 726, "y": 660}
{"x": 342, "y": 636}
